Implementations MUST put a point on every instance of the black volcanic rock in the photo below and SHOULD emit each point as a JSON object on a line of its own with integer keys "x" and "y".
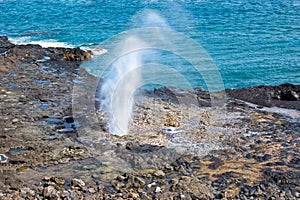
{"x": 284, "y": 96}
{"x": 5, "y": 44}
{"x": 286, "y": 92}
{"x": 34, "y": 52}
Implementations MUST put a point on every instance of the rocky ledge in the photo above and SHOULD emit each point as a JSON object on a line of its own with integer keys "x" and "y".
{"x": 284, "y": 96}
{"x": 177, "y": 149}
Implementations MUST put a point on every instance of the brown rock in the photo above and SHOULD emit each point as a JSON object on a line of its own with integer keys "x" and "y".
{"x": 50, "y": 192}
{"x": 77, "y": 183}
{"x": 58, "y": 180}
{"x": 159, "y": 174}
{"x": 77, "y": 55}
{"x": 173, "y": 119}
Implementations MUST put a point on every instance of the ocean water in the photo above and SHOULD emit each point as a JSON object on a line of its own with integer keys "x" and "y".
{"x": 251, "y": 42}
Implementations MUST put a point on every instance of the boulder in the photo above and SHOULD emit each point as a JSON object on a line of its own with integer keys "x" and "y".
{"x": 286, "y": 92}
{"x": 77, "y": 183}
{"x": 5, "y": 44}
{"x": 77, "y": 55}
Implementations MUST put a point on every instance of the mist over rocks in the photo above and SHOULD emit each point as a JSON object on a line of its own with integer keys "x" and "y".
{"x": 252, "y": 154}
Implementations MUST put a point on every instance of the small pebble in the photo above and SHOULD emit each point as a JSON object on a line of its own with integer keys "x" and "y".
{"x": 159, "y": 173}
{"x": 47, "y": 178}
{"x": 134, "y": 195}
{"x": 15, "y": 120}
{"x": 78, "y": 183}
{"x": 27, "y": 191}
{"x": 95, "y": 176}
{"x": 158, "y": 189}
{"x": 49, "y": 191}
{"x": 296, "y": 194}
{"x": 69, "y": 119}
{"x": 151, "y": 184}
{"x": 3, "y": 158}
{"x": 58, "y": 180}
{"x": 92, "y": 190}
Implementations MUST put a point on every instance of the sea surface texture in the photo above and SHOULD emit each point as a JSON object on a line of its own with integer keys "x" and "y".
{"x": 251, "y": 42}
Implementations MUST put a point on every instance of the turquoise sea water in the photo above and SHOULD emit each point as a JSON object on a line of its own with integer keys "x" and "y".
{"x": 251, "y": 42}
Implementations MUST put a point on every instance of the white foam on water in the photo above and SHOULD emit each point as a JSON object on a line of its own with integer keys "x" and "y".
{"x": 20, "y": 40}
{"x": 96, "y": 51}
{"x": 52, "y": 43}
{"x": 43, "y": 43}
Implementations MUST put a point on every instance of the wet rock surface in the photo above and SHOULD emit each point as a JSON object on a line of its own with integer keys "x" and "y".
{"x": 179, "y": 146}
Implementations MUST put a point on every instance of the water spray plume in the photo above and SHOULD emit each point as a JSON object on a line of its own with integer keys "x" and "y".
{"x": 132, "y": 59}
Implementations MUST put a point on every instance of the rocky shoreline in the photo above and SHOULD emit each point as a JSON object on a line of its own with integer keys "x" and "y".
{"x": 178, "y": 150}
